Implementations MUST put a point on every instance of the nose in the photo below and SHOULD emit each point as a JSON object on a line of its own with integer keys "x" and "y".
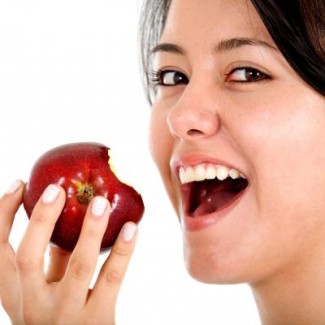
{"x": 194, "y": 116}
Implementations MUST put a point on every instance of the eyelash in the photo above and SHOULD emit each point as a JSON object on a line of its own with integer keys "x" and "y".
{"x": 156, "y": 77}
{"x": 259, "y": 75}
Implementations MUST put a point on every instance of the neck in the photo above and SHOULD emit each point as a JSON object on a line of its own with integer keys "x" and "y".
{"x": 297, "y": 297}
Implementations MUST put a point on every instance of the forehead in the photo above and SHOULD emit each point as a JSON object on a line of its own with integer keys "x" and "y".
{"x": 189, "y": 20}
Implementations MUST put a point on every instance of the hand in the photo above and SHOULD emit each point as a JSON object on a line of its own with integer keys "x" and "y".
{"x": 61, "y": 295}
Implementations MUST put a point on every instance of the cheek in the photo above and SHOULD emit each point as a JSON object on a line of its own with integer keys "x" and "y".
{"x": 159, "y": 139}
{"x": 285, "y": 142}
{"x": 161, "y": 147}
{"x": 286, "y": 146}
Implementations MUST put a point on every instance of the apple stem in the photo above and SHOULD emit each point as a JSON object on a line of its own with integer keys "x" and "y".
{"x": 85, "y": 194}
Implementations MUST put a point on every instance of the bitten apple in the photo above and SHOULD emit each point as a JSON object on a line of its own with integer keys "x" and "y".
{"x": 83, "y": 170}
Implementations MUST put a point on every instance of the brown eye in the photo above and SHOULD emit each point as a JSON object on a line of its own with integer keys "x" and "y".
{"x": 169, "y": 78}
{"x": 246, "y": 74}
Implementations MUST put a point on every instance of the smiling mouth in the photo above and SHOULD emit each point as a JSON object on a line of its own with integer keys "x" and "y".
{"x": 208, "y": 189}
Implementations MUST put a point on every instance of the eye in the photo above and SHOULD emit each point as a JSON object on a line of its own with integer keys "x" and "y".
{"x": 168, "y": 78}
{"x": 246, "y": 74}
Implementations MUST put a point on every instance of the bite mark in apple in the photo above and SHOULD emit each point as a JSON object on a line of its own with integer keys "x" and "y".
{"x": 84, "y": 171}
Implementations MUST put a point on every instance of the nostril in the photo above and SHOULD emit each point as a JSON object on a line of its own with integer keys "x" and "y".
{"x": 194, "y": 132}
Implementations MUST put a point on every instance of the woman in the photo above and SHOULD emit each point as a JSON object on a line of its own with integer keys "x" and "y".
{"x": 238, "y": 117}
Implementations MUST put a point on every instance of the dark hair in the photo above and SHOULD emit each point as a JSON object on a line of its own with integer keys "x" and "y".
{"x": 296, "y": 26}
{"x": 298, "y": 29}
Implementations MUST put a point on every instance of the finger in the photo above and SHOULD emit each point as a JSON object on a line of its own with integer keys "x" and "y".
{"x": 30, "y": 254}
{"x": 82, "y": 264}
{"x": 59, "y": 259}
{"x": 9, "y": 204}
{"x": 111, "y": 276}
{"x": 9, "y": 282}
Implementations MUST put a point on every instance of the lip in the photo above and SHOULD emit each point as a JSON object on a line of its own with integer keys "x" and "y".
{"x": 191, "y": 223}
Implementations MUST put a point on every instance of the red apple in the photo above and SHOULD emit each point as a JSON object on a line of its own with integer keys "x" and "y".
{"x": 83, "y": 170}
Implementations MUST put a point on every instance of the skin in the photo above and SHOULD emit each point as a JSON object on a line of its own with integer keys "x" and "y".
{"x": 272, "y": 130}
{"x": 61, "y": 295}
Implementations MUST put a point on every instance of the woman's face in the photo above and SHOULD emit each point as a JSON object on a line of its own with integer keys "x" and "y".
{"x": 229, "y": 105}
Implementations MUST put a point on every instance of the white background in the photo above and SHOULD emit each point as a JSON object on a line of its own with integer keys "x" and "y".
{"x": 69, "y": 72}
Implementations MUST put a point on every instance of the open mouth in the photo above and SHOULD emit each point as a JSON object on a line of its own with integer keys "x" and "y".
{"x": 208, "y": 188}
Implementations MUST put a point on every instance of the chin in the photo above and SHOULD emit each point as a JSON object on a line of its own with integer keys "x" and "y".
{"x": 212, "y": 272}
{"x": 215, "y": 262}
{"x": 217, "y": 273}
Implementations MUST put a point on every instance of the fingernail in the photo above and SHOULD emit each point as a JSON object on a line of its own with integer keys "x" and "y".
{"x": 129, "y": 231}
{"x": 14, "y": 187}
{"x": 53, "y": 245}
{"x": 50, "y": 194}
{"x": 99, "y": 206}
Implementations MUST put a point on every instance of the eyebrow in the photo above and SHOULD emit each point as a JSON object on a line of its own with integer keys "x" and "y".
{"x": 222, "y": 46}
{"x": 233, "y": 43}
{"x": 167, "y": 47}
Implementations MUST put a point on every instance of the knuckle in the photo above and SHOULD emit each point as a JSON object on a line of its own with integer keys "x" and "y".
{"x": 99, "y": 319}
{"x": 89, "y": 321}
{"x": 5, "y": 250}
{"x": 121, "y": 251}
{"x": 29, "y": 316}
{"x": 79, "y": 270}
{"x": 90, "y": 232}
{"x": 37, "y": 217}
{"x": 25, "y": 262}
{"x": 112, "y": 276}
{"x": 61, "y": 318}
{"x": 62, "y": 314}
{"x": 3, "y": 209}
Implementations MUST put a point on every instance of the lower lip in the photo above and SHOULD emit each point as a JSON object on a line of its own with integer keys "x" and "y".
{"x": 198, "y": 223}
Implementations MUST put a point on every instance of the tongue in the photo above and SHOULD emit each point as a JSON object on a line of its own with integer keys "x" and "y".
{"x": 211, "y": 195}
{"x": 213, "y": 202}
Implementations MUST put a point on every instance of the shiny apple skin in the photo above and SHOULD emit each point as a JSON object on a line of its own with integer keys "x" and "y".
{"x": 72, "y": 166}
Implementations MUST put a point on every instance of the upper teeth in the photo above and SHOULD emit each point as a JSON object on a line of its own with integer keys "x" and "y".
{"x": 207, "y": 171}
